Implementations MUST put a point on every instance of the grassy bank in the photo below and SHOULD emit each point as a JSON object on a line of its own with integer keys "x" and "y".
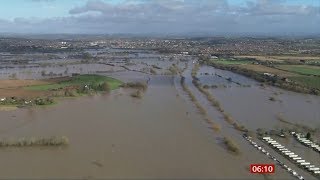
{"x": 232, "y": 62}
{"x": 80, "y": 80}
{"x": 301, "y": 69}
{"x": 308, "y": 81}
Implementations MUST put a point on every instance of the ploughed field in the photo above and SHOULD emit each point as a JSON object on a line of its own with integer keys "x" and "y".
{"x": 142, "y": 114}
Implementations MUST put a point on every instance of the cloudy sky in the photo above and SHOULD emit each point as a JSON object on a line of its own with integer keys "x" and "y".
{"x": 161, "y": 16}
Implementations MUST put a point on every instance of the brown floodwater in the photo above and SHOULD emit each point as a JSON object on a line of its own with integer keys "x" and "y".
{"x": 159, "y": 136}
{"x": 51, "y": 71}
{"x": 227, "y": 129}
{"x": 151, "y": 137}
{"x": 251, "y": 105}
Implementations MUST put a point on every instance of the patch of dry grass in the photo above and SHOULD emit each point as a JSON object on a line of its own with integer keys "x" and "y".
{"x": 195, "y": 70}
{"x": 25, "y": 142}
{"x": 8, "y": 108}
{"x": 136, "y": 85}
{"x": 231, "y": 145}
{"x": 228, "y": 118}
{"x": 239, "y": 127}
{"x": 174, "y": 70}
{"x": 216, "y": 127}
{"x": 152, "y": 71}
{"x": 137, "y": 94}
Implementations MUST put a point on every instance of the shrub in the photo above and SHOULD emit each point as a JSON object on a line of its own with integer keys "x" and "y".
{"x": 136, "y": 85}
{"x": 272, "y": 99}
{"x": 228, "y": 118}
{"x": 240, "y": 127}
{"x": 156, "y": 67}
{"x": 231, "y": 145}
{"x": 22, "y": 142}
{"x": 192, "y": 97}
{"x": 152, "y": 71}
{"x": 43, "y": 73}
{"x": 308, "y": 136}
{"x": 209, "y": 97}
{"x": 173, "y": 70}
{"x": 44, "y": 101}
{"x": 206, "y": 87}
{"x": 261, "y": 131}
{"x": 195, "y": 70}
{"x": 69, "y": 93}
{"x": 216, "y": 127}
{"x": 105, "y": 87}
{"x": 137, "y": 94}
{"x": 200, "y": 108}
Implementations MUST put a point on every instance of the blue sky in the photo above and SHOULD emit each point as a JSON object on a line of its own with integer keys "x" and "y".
{"x": 155, "y": 16}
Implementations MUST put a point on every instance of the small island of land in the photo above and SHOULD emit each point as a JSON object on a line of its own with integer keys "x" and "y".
{"x": 22, "y": 93}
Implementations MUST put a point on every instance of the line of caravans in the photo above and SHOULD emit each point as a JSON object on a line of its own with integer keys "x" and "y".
{"x": 306, "y": 141}
{"x": 260, "y": 148}
{"x": 298, "y": 160}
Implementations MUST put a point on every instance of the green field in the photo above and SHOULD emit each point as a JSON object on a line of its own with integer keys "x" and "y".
{"x": 231, "y": 62}
{"x": 92, "y": 80}
{"x": 301, "y": 69}
{"x": 309, "y": 81}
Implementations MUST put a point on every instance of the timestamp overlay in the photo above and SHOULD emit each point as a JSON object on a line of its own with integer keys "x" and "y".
{"x": 262, "y": 168}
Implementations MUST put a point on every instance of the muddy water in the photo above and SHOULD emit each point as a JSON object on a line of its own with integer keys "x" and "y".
{"x": 212, "y": 76}
{"x": 251, "y": 105}
{"x": 249, "y": 153}
{"x": 55, "y": 71}
{"x": 126, "y": 137}
{"x": 115, "y": 136}
{"x": 306, "y": 153}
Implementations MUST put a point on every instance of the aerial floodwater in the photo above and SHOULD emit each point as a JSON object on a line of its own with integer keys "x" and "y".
{"x": 120, "y": 113}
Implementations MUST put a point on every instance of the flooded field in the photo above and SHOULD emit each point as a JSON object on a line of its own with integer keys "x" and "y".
{"x": 152, "y": 137}
{"x": 161, "y": 135}
{"x": 251, "y": 105}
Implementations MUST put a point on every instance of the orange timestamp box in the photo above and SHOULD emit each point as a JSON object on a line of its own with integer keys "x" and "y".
{"x": 262, "y": 168}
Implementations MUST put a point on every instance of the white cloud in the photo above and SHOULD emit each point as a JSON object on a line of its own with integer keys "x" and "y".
{"x": 166, "y": 16}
